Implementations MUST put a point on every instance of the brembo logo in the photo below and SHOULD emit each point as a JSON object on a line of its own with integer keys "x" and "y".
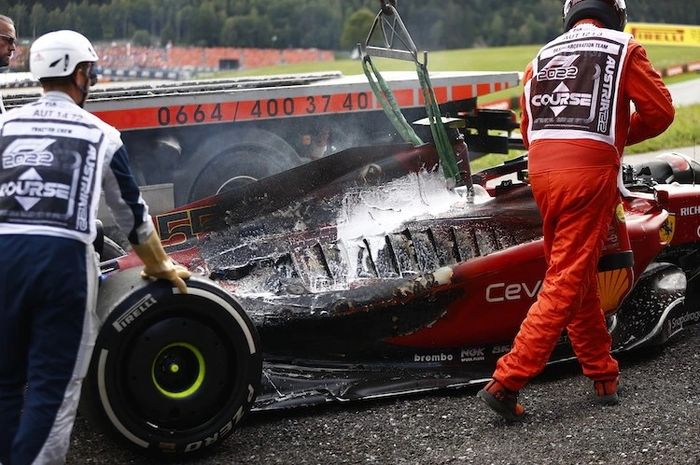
{"x": 30, "y": 188}
{"x": 134, "y": 312}
{"x": 559, "y": 68}
{"x": 433, "y": 358}
{"x": 501, "y": 292}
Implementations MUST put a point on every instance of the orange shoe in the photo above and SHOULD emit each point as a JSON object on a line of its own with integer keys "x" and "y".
{"x": 607, "y": 391}
{"x": 502, "y": 401}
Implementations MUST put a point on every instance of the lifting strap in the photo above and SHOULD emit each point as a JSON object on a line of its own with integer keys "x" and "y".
{"x": 392, "y": 30}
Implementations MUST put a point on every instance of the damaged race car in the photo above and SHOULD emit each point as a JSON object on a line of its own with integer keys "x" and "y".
{"x": 356, "y": 286}
{"x": 361, "y": 275}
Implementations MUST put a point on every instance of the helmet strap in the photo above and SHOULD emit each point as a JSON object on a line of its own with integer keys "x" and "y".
{"x": 84, "y": 89}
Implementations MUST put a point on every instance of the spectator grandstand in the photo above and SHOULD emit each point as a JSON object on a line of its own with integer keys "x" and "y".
{"x": 122, "y": 60}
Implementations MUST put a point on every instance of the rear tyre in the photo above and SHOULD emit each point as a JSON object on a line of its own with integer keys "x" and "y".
{"x": 171, "y": 374}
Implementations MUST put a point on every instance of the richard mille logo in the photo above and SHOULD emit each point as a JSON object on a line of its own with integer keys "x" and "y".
{"x": 30, "y": 188}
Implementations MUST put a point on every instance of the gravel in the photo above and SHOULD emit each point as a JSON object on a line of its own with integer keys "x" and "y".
{"x": 657, "y": 422}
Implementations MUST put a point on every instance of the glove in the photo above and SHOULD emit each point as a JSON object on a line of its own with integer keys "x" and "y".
{"x": 158, "y": 265}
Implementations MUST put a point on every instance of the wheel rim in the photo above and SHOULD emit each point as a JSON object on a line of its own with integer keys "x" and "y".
{"x": 178, "y": 373}
{"x": 178, "y": 370}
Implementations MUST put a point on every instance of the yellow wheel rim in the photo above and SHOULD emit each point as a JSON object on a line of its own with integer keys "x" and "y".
{"x": 174, "y": 367}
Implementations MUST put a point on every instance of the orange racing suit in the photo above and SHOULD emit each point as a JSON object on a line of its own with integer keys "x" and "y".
{"x": 576, "y": 121}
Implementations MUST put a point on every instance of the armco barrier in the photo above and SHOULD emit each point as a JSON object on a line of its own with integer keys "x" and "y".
{"x": 680, "y": 69}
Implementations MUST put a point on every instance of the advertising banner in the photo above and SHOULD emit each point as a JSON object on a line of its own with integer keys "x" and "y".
{"x": 665, "y": 34}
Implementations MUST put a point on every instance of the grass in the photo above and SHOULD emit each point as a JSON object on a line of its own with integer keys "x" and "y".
{"x": 684, "y": 132}
{"x": 513, "y": 58}
{"x": 474, "y": 59}
{"x": 493, "y": 159}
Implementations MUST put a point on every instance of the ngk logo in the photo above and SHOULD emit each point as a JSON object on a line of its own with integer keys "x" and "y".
{"x": 501, "y": 292}
{"x": 472, "y": 354}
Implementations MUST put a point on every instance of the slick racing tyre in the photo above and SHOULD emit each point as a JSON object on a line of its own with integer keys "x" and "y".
{"x": 171, "y": 374}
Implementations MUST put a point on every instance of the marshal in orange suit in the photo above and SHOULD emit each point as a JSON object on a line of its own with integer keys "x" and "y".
{"x": 576, "y": 122}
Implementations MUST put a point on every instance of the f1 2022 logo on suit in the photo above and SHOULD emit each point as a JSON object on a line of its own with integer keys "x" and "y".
{"x": 28, "y": 152}
{"x": 30, "y": 187}
{"x": 559, "y": 68}
{"x": 48, "y": 179}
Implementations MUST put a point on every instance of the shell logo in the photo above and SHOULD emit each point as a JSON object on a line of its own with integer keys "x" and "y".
{"x": 613, "y": 286}
{"x": 667, "y": 229}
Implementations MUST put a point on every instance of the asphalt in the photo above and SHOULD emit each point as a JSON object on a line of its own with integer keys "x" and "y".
{"x": 657, "y": 422}
{"x": 685, "y": 93}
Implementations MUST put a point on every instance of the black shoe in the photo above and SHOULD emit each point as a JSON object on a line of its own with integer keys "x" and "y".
{"x": 606, "y": 391}
{"x": 502, "y": 401}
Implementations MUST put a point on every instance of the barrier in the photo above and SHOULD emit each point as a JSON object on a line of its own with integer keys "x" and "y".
{"x": 665, "y": 34}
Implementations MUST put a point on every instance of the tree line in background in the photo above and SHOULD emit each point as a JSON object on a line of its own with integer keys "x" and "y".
{"x": 325, "y": 24}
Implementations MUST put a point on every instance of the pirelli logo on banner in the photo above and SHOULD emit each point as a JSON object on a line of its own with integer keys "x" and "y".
{"x": 665, "y": 34}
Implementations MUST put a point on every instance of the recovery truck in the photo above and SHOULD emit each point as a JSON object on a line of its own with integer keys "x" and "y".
{"x": 191, "y": 139}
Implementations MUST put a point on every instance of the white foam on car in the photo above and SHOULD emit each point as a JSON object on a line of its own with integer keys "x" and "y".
{"x": 368, "y": 215}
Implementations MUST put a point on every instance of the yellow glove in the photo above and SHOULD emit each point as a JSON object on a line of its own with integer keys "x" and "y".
{"x": 158, "y": 265}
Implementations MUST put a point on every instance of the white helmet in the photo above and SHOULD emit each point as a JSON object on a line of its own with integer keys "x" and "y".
{"x": 612, "y": 13}
{"x": 56, "y": 54}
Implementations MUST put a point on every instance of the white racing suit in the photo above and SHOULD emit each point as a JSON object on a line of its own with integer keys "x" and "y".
{"x": 56, "y": 158}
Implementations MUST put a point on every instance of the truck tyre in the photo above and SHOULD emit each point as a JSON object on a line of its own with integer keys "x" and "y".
{"x": 171, "y": 374}
{"x": 235, "y": 159}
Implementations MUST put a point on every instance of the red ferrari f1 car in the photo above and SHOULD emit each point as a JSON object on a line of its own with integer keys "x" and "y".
{"x": 361, "y": 275}
{"x": 358, "y": 276}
